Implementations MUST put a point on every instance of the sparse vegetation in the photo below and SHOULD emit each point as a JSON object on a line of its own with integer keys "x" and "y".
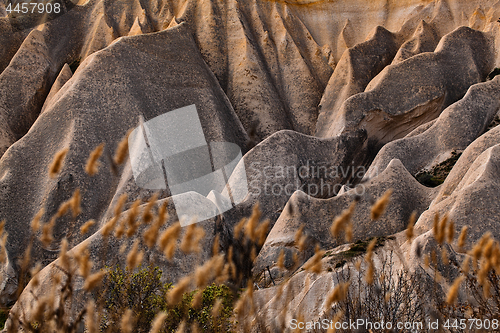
{"x": 218, "y": 296}
{"x": 144, "y": 293}
{"x": 3, "y": 317}
{"x": 438, "y": 174}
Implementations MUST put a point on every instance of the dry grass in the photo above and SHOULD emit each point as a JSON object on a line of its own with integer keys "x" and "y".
{"x": 363, "y": 290}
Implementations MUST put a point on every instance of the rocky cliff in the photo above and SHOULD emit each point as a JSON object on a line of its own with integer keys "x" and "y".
{"x": 390, "y": 88}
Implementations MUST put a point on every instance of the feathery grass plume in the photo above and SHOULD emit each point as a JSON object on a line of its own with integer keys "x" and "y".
{"x": 488, "y": 249}
{"x": 57, "y": 163}
{"x": 86, "y": 226}
{"x": 147, "y": 216}
{"x": 348, "y": 232}
{"x": 496, "y": 258}
{"x": 462, "y": 238}
{"x": 63, "y": 255}
{"x": 203, "y": 274}
{"x": 224, "y": 275}
{"x": 120, "y": 204}
{"x": 134, "y": 257}
{"x": 216, "y": 245}
{"x": 151, "y": 234}
{"x": 444, "y": 256}
{"x": 120, "y": 229}
{"x": 38, "y": 309}
{"x": 181, "y": 328}
{"x": 90, "y": 319}
{"x": 253, "y": 221}
{"x": 369, "y": 277}
{"x": 434, "y": 257}
{"x": 93, "y": 164}
{"x": 314, "y": 264}
{"x": 63, "y": 209}
{"x": 217, "y": 263}
{"x": 82, "y": 256}
{"x": 121, "y": 152}
{"x": 281, "y": 260}
{"x": 487, "y": 290}
{"x": 427, "y": 261}
{"x": 132, "y": 215}
{"x": 466, "y": 265}
{"x": 300, "y": 238}
{"x": 238, "y": 227}
{"x": 35, "y": 282}
{"x": 261, "y": 232}
{"x": 35, "y": 223}
{"x": 370, "y": 248}
{"x": 168, "y": 239}
{"x": 170, "y": 250}
{"x": 410, "y": 229}
{"x": 335, "y": 320}
{"x": 357, "y": 265}
{"x": 194, "y": 328}
{"x": 191, "y": 240}
{"x": 126, "y": 322}
{"x": 216, "y": 308}
{"x": 379, "y": 207}
{"x": 451, "y": 231}
{"x": 253, "y": 253}
{"x": 174, "y": 296}
{"x": 3, "y": 242}
{"x": 230, "y": 261}
{"x": 162, "y": 213}
{"x": 338, "y": 294}
{"x": 158, "y": 322}
{"x": 197, "y": 299}
{"x": 74, "y": 203}
{"x": 482, "y": 275}
{"x": 435, "y": 227}
{"x": 342, "y": 220}
{"x": 3, "y": 250}
{"x": 47, "y": 237}
{"x": 451, "y": 298}
{"x": 440, "y": 237}
{"x": 477, "y": 250}
{"x": 249, "y": 292}
{"x": 93, "y": 280}
{"x": 109, "y": 226}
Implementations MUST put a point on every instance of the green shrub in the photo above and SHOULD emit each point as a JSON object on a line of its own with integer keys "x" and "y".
{"x": 3, "y": 317}
{"x": 144, "y": 293}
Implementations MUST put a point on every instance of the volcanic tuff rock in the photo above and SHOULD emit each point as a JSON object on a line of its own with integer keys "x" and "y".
{"x": 456, "y": 127}
{"x": 266, "y": 76}
{"x": 425, "y": 84}
{"x": 317, "y": 215}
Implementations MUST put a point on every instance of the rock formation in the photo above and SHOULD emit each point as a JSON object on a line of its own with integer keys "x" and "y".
{"x": 314, "y": 93}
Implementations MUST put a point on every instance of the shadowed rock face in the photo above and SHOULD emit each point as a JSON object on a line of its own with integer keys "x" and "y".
{"x": 317, "y": 215}
{"x": 458, "y": 125}
{"x": 310, "y": 91}
{"x": 425, "y": 84}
